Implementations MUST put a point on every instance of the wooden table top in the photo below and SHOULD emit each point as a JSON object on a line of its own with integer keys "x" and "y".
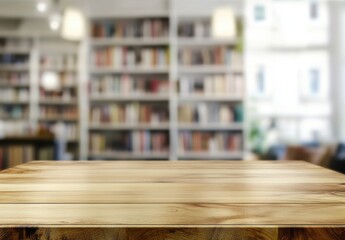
{"x": 171, "y": 193}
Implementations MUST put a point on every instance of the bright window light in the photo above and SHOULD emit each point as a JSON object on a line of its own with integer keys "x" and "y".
{"x": 224, "y": 23}
{"x": 73, "y": 25}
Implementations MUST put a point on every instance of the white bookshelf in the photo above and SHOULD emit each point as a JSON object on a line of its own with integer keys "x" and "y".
{"x": 199, "y": 41}
{"x": 62, "y": 58}
{"x": 158, "y": 71}
{"x": 171, "y": 73}
{"x": 15, "y": 81}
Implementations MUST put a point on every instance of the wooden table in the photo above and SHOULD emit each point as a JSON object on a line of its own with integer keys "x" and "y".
{"x": 194, "y": 200}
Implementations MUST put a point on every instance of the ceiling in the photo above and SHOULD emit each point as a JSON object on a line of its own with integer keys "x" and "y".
{"x": 20, "y": 17}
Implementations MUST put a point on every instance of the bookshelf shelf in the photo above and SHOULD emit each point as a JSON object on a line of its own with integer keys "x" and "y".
{"x": 58, "y": 118}
{"x": 59, "y": 69}
{"x": 130, "y": 155}
{"x": 17, "y": 119}
{"x": 207, "y": 98}
{"x": 14, "y": 85}
{"x": 148, "y": 97}
{"x": 126, "y": 41}
{"x": 58, "y": 102}
{"x": 209, "y": 155}
{"x": 208, "y": 69}
{"x": 130, "y": 70}
{"x": 68, "y": 86}
{"x": 193, "y": 41}
{"x": 14, "y": 67}
{"x": 126, "y": 126}
{"x": 210, "y": 126}
{"x": 132, "y": 15}
{"x": 15, "y": 102}
{"x": 13, "y": 50}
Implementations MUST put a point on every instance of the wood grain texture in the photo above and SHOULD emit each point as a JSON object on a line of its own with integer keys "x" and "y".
{"x": 171, "y": 200}
{"x": 245, "y": 233}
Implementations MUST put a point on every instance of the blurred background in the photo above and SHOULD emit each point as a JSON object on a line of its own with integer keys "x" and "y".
{"x": 172, "y": 80}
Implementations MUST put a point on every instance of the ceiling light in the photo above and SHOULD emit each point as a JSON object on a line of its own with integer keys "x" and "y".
{"x": 73, "y": 24}
{"x": 224, "y": 23}
{"x": 42, "y": 6}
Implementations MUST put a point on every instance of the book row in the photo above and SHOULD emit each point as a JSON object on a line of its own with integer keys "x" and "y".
{"x": 210, "y": 142}
{"x": 210, "y": 113}
{"x": 10, "y": 94}
{"x": 14, "y": 78}
{"x": 123, "y": 56}
{"x": 135, "y": 141}
{"x": 130, "y": 113}
{"x": 197, "y": 29}
{"x": 68, "y": 61}
{"x": 12, "y": 156}
{"x": 212, "y": 85}
{"x": 64, "y": 94}
{"x": 127, "y": 84}
{"x": 206, "y": 56}
{"x": 59, "y": 112}
{"x": 14, "y": 112}
{"x": 14, "y": 59}
{"x": 131, "y": 28}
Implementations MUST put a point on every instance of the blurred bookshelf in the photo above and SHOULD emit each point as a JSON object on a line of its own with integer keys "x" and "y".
{"x": 140, "y": 86}
{"x": 210, "y": 93}
{"x": 60, "y": 104}
{"x": 129, "y": 88}
{"x": 15, "y": 57}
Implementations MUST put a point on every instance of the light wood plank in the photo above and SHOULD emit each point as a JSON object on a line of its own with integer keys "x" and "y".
{"x": 171, "y": 194}
{"x": 145, "y": 215}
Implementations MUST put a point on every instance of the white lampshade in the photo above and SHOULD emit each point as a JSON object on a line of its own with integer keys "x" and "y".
{"x": 73, "y": 24}
{"x": 224, "y": 23}
{"x": 42, "y": 6}
{"x": 50, "y": 81}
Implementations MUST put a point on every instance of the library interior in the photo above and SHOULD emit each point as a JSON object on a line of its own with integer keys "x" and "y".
{"x": 172, "y": 119}
{"x": 172, "y": 80}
